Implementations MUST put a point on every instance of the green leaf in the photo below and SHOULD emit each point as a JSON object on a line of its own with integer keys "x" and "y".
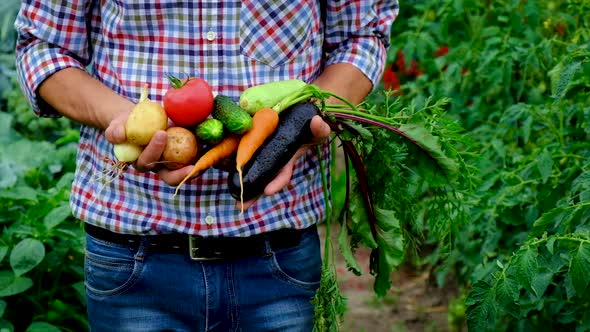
{"x": 579, "y": 269}
{"x": 15, "y": 286}
{"x": 57, "y": 216}
{"x": 526, "y": 267}
{"x": 358, "y": 221}
{"x": 477, "y": 293}
{"x": 3, "y": 252}
{"x": 560, "y": 87}
{"x": 80, "y": 289}
{"x": 346, "y": 251}
{"x": 42, "y": 327}
{"x": 554, "y": 76}
{"x": 550, "y": 245}
{"x": 6, "y": 131}
{"x": 507, "y": 291}
{"x": 545, "y": 165}
{"x": 6, "y": 326}
{"x": 27, "y": 254}
{"x": 582, "y": 181}
{"x": 19, "y": 194}
{"x": 362, "y": 132}
{"x": 527, "y": 125}
{"x": 431, "y": 145}
{"x": 2, "y": 307}
{"x": 390, "y": 253}
{"x": 556, "y": 216}
{"x": 482, "y": 309}
{"x": 8, "y": 178}
{"x": 541, "y": 281}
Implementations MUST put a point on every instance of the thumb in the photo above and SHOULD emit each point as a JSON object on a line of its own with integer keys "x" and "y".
{"x": 320, "y": 130}
{"x": 115, "y": 132}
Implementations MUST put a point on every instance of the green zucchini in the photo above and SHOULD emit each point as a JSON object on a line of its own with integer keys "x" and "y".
{"x": 234, "y": 118}
{"x": 210, "y": 131}
{"x": 268, "y": 94}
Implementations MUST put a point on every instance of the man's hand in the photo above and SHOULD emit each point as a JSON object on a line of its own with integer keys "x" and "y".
{"x": 320, "y": 131}
{"x": 96, "y": 105}
{"x": 342, "y": 79}
{"x": 148, "y": 160}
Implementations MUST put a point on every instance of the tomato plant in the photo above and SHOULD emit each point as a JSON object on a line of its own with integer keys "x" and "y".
{"x": 518, "y": 77}
{"x": 188, "y": 102}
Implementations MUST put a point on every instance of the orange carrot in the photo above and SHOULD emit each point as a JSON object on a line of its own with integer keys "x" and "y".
{"x": 264, "y": 123}
{"x": 221, "y": 150}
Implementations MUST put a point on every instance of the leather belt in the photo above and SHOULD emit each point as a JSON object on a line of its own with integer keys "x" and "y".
{"x": 206, "y": 248}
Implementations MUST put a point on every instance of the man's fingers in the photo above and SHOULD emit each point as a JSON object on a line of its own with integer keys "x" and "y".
{"x": 320, "y": 130}
{"x": 281, "y": 180}
{"x": 151, "y": 154}
{"x": 247, "y": 204}
{"x": 284, "y": 177}
{"x": 115, "y": 133}
{"x": 174, "y": 177}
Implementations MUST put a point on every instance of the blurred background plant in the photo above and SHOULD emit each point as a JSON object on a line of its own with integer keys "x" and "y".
{"x": 41, "y": 244}
{"x": 518, "y": 75}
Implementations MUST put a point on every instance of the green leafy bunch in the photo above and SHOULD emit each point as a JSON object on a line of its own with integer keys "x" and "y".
{"x": 400, "y": 183}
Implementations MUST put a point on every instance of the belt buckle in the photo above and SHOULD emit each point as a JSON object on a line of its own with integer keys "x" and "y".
{"x": 194, "y": 249}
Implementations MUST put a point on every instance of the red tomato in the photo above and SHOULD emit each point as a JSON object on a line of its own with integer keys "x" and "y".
{"x": 441, "y": 51}
{"x": 390, "y": 79}
{"x": 188, "y": 102}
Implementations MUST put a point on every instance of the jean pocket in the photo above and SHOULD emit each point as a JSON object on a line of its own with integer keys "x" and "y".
{"x": 111, "y": 269}
{"x": 300, "y": 265}
{"x": 275, "y": 32}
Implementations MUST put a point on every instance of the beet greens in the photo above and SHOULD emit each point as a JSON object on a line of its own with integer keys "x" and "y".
{"x": 422, "y": 147}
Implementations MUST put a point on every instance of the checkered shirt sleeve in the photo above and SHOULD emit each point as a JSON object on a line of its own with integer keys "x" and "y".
{"x": 358, "y": 32}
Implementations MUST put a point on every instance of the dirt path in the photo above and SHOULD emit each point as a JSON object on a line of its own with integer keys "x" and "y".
{"x": 412, "y": 305}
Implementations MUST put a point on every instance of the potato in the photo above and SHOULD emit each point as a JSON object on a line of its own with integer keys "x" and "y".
{"x": 145, "y": 119}
{"x": 181, "y": 148}
{"x": 127, "y": 152}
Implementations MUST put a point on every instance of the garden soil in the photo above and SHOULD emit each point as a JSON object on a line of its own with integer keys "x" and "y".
{"x": 413, "y": 304}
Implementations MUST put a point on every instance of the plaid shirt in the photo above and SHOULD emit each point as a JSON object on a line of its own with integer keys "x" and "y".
{"x": 232, "y": 45}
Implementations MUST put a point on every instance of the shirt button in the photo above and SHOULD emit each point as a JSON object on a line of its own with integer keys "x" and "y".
{"x": 211, "y": 35}
{"x": 209, "y": 220}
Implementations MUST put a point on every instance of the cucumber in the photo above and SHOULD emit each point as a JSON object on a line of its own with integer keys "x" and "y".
{"x": 234, "y": 118}
{"x": 268, "y": 94}
{"x": 210, "y": 131}
{"x": 292, "y": 132}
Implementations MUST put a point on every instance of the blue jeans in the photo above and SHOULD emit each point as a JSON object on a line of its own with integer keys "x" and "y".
{"x": 133, "y": 289}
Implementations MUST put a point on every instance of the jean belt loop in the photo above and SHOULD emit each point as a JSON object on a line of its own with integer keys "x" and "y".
{"x": 142, "y": 248}
{"x": 267, "y": 245}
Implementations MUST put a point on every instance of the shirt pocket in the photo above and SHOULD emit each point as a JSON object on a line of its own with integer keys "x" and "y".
{"x": 275, "y": 32}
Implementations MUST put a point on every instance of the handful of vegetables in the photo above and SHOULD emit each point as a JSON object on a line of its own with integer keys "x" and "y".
{"x": 265, "y": 129}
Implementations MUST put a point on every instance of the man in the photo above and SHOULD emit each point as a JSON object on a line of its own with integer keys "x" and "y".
{"x": 193, "y": 262}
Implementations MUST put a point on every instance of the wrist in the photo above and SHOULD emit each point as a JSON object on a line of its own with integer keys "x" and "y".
{"x": 345, "y": 80}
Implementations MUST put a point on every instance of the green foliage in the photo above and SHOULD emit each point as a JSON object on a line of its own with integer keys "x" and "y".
{"x": 518, "y": 76}
{"x": 8, "y": 11}
{"x": 59, "y": 130}
{"x": 41, "y": 244}
{"x": 418, "y": 189}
